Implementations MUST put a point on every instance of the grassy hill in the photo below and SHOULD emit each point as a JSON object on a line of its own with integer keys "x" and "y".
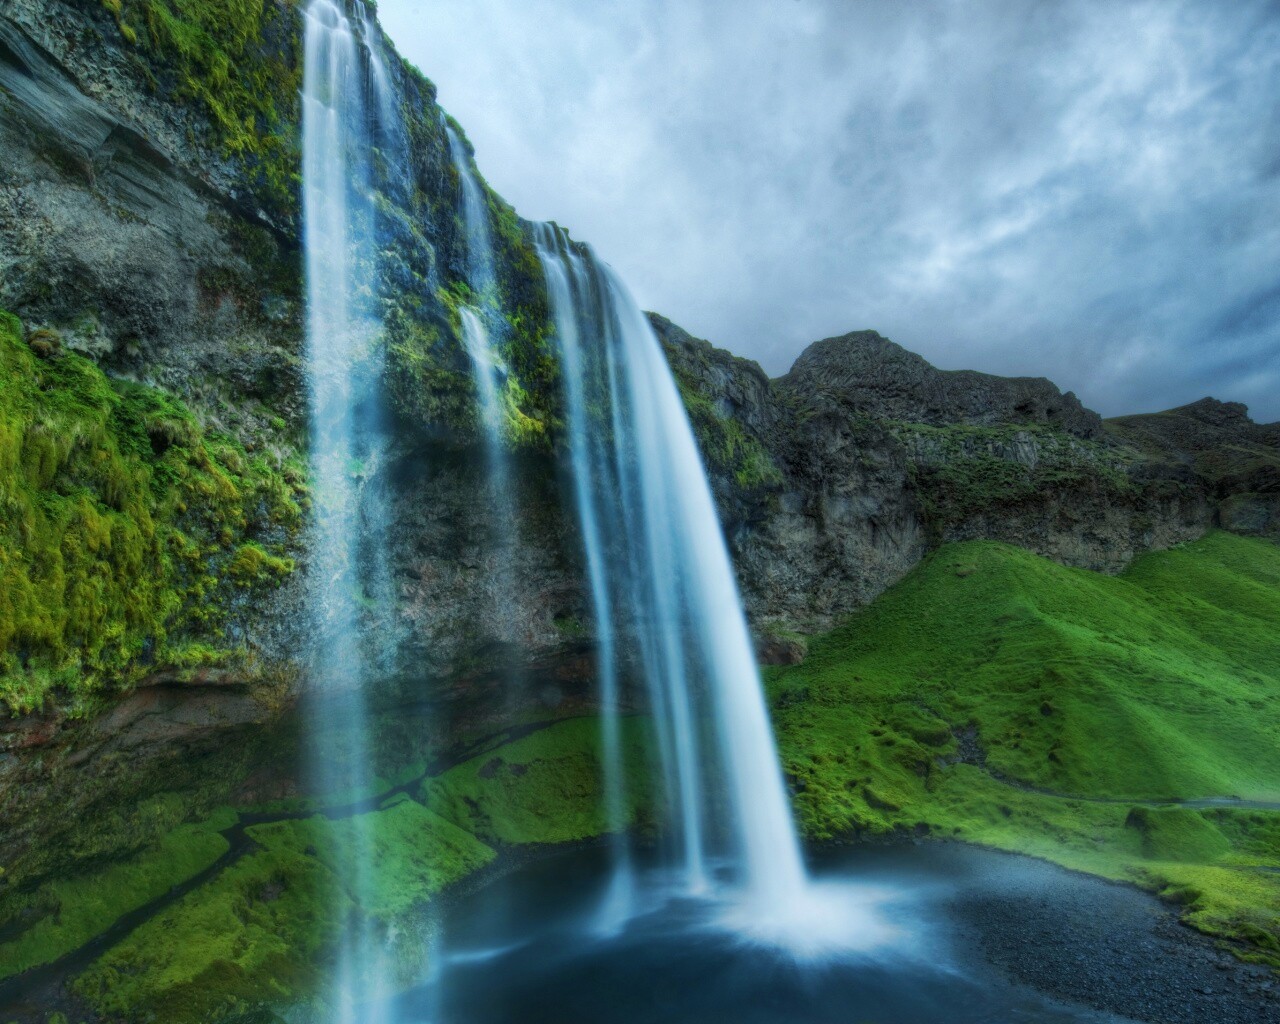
{"x": 996, "y": 697}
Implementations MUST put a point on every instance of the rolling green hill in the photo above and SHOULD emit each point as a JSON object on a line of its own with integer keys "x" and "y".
{"x": 1125, "y": 725}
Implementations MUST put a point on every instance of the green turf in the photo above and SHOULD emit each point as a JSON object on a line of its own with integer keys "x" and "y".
{"x": 545, "y": 788}
{"x": 265, "y": 928}
{"x": 131, "y": 537}
{"x": 72, "y": 911}
{"x": 1001, "y": 698}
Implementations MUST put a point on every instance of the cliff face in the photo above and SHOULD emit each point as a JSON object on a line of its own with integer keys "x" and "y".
{"x": 149, "y": 226}
{"x": 872, "y": 457}
{"x": 1216, "y": 444}
{"x": 871, "y": 373}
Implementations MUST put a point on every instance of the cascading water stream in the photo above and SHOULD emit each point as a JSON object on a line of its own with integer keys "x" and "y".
{"x": 663, "y": 591}
{"x": 482, "y": 324}
{"x": 646, "y": 506}
{"x": 349, "y": 583}
{"x": 481, "y": 280}
{"x": 569, "y": 286}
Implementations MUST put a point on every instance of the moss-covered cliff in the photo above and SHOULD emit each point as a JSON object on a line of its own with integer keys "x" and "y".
{"x": 135, "y": 542}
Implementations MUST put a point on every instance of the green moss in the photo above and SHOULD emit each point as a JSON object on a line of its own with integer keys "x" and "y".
{"x": 409, "y": 853}
{"x": 533, "y": 386}
{"x": 961, "y": 470}
{"x": 1177, "y": 833}
{"x": 431, "y": 373}
{"x": 127, "y": 532}
{"x": 267, "y": 927}
{"x": 69, "y": 912}
{"x": 1001, "y": 698}
{"x": 256, "y": 931}
{"x": 726, "y": 448}
{"x": 239, "y": 62}
{"x": 252, "y": 564}
{"x": 545, "y": 788}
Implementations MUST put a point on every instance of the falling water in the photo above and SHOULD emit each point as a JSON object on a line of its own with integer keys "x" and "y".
{"x": 349, "y": 583}
{"x": 662, "y": 585}
{"x": 482, "y": 329}
{"x": 480, "y": 278}
{"x": 660, "y": 530}
{"x": 570, "y": 288}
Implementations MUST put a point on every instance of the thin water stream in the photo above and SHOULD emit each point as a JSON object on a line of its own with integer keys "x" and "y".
{"x": 346, "y": 91}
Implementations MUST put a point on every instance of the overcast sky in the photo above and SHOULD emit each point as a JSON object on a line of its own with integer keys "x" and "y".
{"x": 1088, "y": 191}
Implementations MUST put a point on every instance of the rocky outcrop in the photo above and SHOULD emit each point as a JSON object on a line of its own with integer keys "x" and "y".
{"x": 874, "y": 457}
{"x": 877, "y": 378}
{"x": 108, "y": 235}
{"x": 1237, "y": 460}
{"x": 829, "y": 517}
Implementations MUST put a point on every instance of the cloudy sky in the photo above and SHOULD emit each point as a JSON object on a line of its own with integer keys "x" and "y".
{"x": 1088, "y": 191}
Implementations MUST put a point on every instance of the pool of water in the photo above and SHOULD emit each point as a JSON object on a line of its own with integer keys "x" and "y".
{"x": 888, "y": 950}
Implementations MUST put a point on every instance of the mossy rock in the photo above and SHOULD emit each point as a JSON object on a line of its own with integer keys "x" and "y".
{"x": 239, "y": 63}
{"x": 130, "y": 536}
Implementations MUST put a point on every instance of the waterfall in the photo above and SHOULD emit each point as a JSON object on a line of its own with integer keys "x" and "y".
{"x": 570, "y": 289}
{"x": 482, "y": 282}
{"x": 663, "y": 593}
{"x": 350, "y": 592}
{"x": 660, "y": 572}
{"x": 483, "y": 328}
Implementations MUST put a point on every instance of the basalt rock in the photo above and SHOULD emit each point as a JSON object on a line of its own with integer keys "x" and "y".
{"x": 1217, "y": 444}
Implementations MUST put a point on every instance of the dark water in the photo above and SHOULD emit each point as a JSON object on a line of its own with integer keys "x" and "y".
{"x": 909, "y": 962}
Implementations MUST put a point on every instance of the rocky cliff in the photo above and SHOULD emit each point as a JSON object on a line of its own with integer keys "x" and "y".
{"x": 149, "y": 229}
{"x": 836, "y": 478}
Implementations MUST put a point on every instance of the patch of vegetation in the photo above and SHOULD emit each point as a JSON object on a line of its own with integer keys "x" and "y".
{"x": 256, "y": 931}
{"x": 545, "y": 788}
{"x": 727, "y": 449}
{"x": 130, "y": 537}
{"x": 430, "y": 374}
{"x": 1003, "y": 699}
{"x": 408, "y": 852}
{"x": 265, "y": 930}
{"x": 239, "y": 62}
{"x": 961, "y": 470}
{"x": 1216, "y": 439}
{"x": 64, "y": 915}
{"x": 533, "y": 385}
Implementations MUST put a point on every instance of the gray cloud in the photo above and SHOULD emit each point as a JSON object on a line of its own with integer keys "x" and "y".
{"x": 1084, "y": 190}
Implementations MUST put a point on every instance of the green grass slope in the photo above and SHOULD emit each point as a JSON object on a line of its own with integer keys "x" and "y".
{"x": 1000, "y": 698}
